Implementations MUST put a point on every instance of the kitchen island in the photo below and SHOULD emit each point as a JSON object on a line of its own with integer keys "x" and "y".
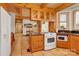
{"x": 36, "y": 42}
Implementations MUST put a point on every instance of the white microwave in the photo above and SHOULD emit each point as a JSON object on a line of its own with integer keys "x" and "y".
{"x": 62, "y": 38}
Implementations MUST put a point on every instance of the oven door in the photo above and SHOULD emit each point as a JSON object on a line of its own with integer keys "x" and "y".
{"x": 62, "y": 38}
{"x": 51, "y": 40}
{"x": 50, "y": 43}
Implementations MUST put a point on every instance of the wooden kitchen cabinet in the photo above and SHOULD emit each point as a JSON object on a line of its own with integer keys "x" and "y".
{"x": 77, "y": 45}
{"x": 34, "y": 14}
{"x": 51, "y": 27}
{"x": 63, "y": 44}
{"x": 26, "y": 12}
{"x": 36, "y": 43}
{"x": 74, "y": 43}
{"x": 47, "y": 16}
{"x": 52, "y": 18}
{"x": 18, "y": 11}
{"x": 41, "y": 15}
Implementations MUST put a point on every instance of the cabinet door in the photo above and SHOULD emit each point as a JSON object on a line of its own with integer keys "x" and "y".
{"x": 36, "y": 43}
{"x": 77, "y": 45}
{"x": 41, "y": 15}
{"x": 47, "y": 16}
{"x": 18, "y": 11}
{"x": 51, "y": 27}
{"x": 34, "y": 14}
{"x": 26, "y": 12}
{"x": 40, "y": 43}
{"x": 73, "y": 43}
{"x": 52, "y": 16}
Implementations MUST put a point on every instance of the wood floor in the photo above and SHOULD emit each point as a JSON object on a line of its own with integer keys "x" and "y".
{"x": 21, "y": 45}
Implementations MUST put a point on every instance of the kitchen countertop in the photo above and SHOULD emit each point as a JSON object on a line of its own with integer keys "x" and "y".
{"x": 67, "y": 34}
{"x": 33, "y": 35}
{"x": 37, "y": 34}
{"x": 74, "y": 34}
{"x": 62, "y": 33}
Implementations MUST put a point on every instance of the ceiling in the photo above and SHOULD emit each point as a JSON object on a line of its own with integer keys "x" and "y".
{"x": 55, "y": 6}
{"x": 50, "y": 5}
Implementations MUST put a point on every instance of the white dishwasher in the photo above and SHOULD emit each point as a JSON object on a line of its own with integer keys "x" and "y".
{"x": 49, "y": 40}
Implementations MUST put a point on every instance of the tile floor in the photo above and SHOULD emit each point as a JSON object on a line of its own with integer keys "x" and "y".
{"x": 21, "y": 46}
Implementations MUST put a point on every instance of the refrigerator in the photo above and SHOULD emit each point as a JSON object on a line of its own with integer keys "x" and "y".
{"x": 5, "y": 33}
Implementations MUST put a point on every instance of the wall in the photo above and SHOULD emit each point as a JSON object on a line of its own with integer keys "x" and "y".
{"x": 12, "y": 22}
{"x": 0, "y": 31}
{"x": 5, "y": 39}
{"x": 70, "y": 10}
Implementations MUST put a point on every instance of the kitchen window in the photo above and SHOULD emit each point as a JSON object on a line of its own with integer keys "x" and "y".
{"x": 63, "y": 21}
{"x": 35, "y": 27}
{"x": 76, "y": 20}
{"x": 44, "y": 25}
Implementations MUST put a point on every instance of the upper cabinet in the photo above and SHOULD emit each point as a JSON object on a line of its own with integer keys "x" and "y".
{"x": 26, "y": 12}
{"x": 51, "y": 27}
{"x": 52, "y": 16}
{"x": 47, "y": 16}
{"x": 22, "y": 13}
{"x": 76, "y": 20}
{"x": 63, "y": 21}
{"x": 18, "y": 11}
{"x": 34, "y": 14}
{"x": 41, "y": 14}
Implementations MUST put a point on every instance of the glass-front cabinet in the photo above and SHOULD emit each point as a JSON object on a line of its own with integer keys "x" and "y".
{"x": 41, "y": 15}
{"x": 34, "y": 14}
{"x": 26, "y": 12}
{"x": 47, "y": 15}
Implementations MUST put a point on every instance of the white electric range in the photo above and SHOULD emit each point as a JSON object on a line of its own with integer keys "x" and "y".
{"x": 49, "y": 40}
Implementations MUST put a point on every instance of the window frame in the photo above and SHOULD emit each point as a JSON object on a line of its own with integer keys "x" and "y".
{"x": 74, "y": 13}
{"x": 67, "y": 16}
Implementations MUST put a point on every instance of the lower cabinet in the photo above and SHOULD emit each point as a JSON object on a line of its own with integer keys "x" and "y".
{"x": 74, "y": 43}
{"x": 62, "y": 44}
{"x": 37, "y": 43}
